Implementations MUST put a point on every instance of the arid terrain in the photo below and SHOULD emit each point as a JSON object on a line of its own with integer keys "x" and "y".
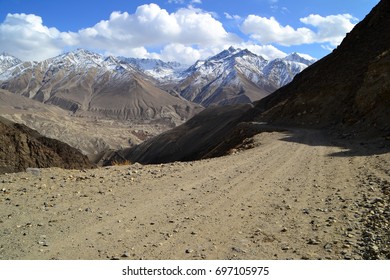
{"x": 91, "y": 135}
{"x": 300, "y": 194}
{"x": 303, "y": 173}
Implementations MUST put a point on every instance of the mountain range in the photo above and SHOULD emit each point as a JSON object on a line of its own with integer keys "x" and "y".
{"x": 237, "y": 76}
{"x": 87, "y": 83}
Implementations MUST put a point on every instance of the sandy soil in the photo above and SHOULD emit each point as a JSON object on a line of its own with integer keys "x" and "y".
{"x": 294, "y": 195}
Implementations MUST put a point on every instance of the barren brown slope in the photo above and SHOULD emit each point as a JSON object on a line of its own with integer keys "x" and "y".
{"x": 134, "y": 98}
{"x": 349, "y": 88}
{"x": 189, "y": 141}
{"x": 90, "y": 88}
{"x": 91, "y": 136}
{"x": 22, "y": 147}
{"x": 245, "y": 92}
{"x": 293, "y": 196}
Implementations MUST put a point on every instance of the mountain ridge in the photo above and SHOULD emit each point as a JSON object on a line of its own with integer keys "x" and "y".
{"x": 237, "y": 76}
{"x": 241, "y": 78}
{"x": 85, "y": 83}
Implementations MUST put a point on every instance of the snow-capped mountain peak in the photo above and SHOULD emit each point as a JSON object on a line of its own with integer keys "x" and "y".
{"x": 235, "y": 74}
{"x": 7, "y": 61}
{"x": 239, "y": 74}
{"x": 224, "y": 54}
{"x": 79, "y": 57}
{"x": 164, "y": 72}
{"x": 304, "y": 59}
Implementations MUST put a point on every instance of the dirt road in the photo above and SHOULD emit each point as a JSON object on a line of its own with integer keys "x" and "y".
{"x": 294, "y": 195}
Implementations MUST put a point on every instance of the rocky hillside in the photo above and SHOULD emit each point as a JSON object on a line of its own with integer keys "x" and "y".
{"x": 86, "y": 83}
{"x": 348, "y": 89}
{"x": 22, "y": 147}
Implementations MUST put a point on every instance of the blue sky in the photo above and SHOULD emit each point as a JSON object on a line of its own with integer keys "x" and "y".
{"x": 181, "y": 30}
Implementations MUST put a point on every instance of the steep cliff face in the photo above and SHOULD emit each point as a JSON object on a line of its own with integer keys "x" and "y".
{"x": 22, "y": 147}
{"x": 349, "y": 88}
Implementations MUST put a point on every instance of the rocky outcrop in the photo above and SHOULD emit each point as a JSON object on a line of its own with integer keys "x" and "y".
{"x": 22, "y": 147}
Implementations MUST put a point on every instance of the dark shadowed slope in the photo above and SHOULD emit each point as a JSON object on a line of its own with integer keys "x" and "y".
{"x": 189, "y": 141}
{"x": 349, "y": 88}
{"x": 22, "y": 147}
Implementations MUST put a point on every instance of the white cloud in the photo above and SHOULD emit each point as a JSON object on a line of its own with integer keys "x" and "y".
{"x": 269, "y": 30}
{"x": 176, "y": 1}
{"x": 234, "y": 17}
{"x": 327, "y": 47}
{"x": 181, "y": 53}
{"x": 185, "y": 35}
{"x": 183, "y": 1}
{"x": 26, "y": 37}
{"x": 330, "y": 29}
{"x": 152, "y": 26}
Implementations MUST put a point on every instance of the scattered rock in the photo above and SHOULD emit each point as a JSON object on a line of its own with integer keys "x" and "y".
{"x": 313, "y": 241}
{"x": 238, "y": 250}
{"x": 328, "y": 246}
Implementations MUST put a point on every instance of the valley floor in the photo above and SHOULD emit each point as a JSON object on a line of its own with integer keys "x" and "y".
{"x": 295, "y": 195}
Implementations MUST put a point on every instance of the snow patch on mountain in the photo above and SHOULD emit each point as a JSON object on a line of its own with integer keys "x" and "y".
{"x": 235, "y": 72}
{"x": 7, "y": 61}
{"x": 162, "y": 71}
